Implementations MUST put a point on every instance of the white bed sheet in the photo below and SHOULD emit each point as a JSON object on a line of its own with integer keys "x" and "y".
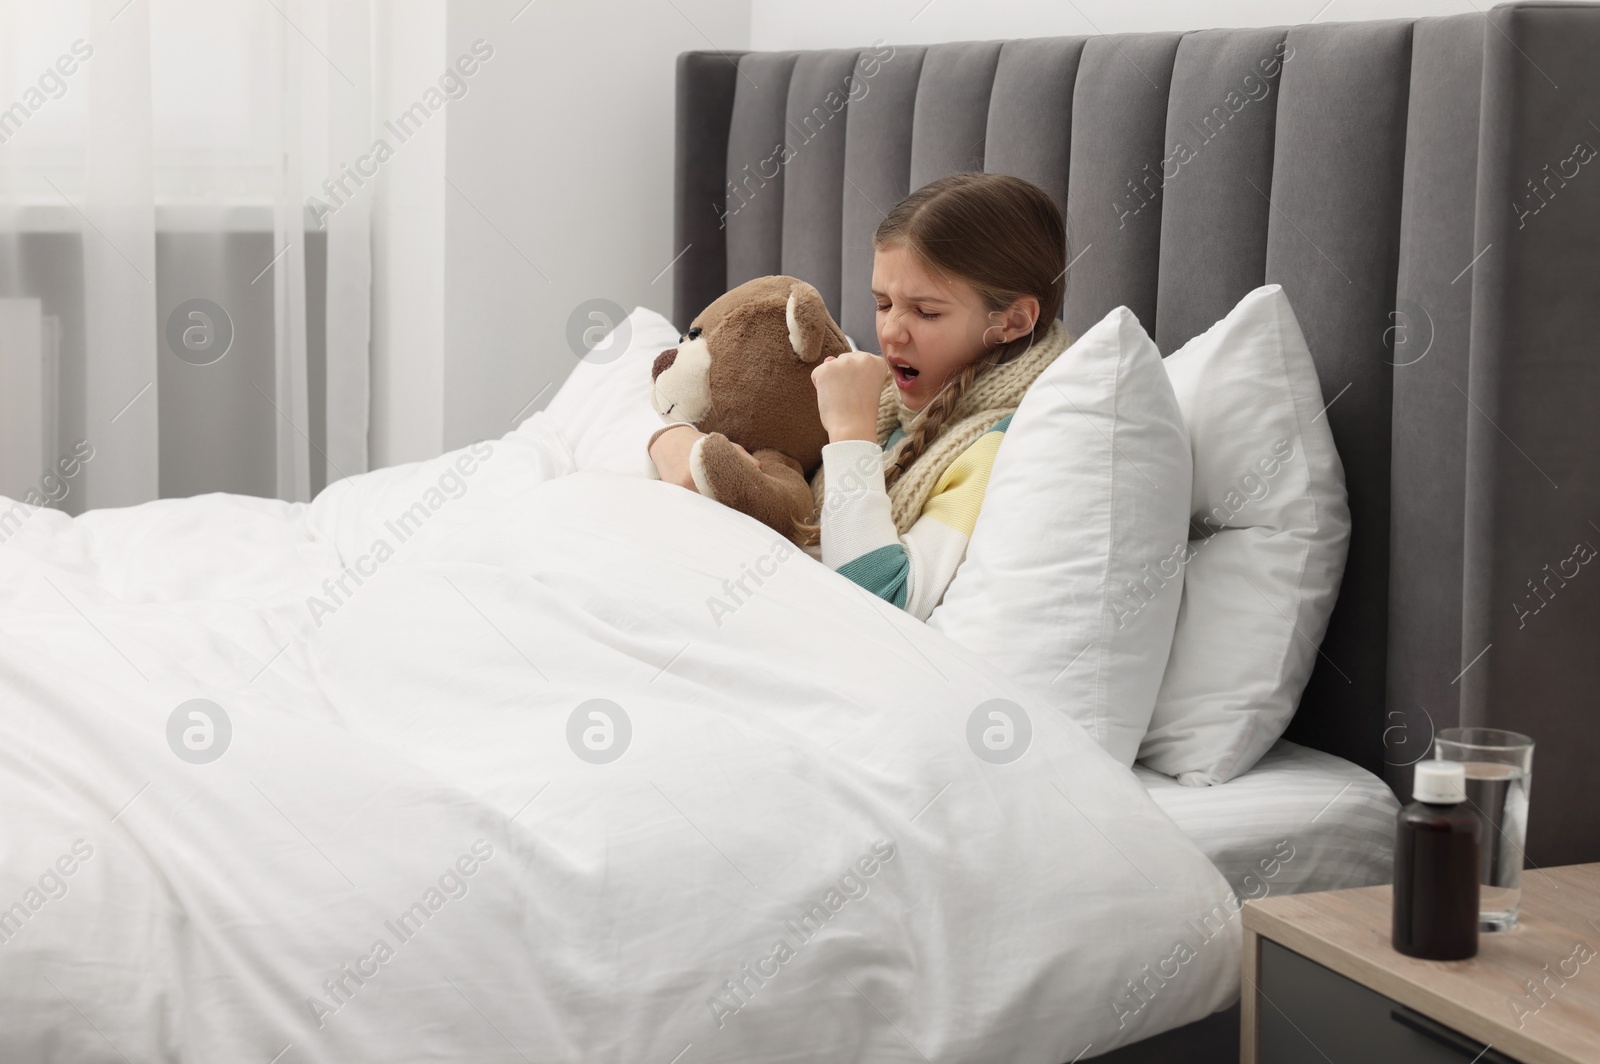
{"x": 404, "y": 749}
{"x": 1300, "y": 820}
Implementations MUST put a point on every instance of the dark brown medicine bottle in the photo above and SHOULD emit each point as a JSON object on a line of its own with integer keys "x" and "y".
{"x": 1436, "y": 867}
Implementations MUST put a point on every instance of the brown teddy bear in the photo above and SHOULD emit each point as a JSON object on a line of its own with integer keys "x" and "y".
{"x": 742, "y": 375}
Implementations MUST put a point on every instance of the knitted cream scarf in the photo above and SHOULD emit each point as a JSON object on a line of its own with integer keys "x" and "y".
{"x": 995, "y": 393}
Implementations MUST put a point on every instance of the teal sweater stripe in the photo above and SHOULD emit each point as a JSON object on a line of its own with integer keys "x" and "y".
{"x": 883, "y": 572}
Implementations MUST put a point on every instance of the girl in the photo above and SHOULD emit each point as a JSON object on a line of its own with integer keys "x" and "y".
{"x": 968, "y": 276}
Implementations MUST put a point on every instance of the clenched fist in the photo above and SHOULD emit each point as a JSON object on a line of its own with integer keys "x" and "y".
{"x": 848, "y": 388}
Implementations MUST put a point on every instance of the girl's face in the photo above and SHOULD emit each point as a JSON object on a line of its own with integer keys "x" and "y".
{"x": 931, "y": 325}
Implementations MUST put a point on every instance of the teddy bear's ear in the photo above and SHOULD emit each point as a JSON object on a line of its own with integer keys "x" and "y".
{"x": 811, "y": 328}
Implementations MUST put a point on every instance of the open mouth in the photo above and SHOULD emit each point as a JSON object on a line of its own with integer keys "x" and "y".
{"x": 903, "y": 374}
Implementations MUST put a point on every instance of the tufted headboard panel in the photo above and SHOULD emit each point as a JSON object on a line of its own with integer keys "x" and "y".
{"x": 1422, "y": 191}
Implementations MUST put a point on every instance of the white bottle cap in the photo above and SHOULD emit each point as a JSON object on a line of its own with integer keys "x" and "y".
{"x": 1440, "y": 782}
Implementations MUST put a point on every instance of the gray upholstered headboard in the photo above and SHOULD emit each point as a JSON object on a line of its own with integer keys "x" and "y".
{"x": 1426, "y": 194}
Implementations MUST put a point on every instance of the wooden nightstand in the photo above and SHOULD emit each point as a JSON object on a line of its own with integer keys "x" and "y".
{"x": 1322, "y": 982}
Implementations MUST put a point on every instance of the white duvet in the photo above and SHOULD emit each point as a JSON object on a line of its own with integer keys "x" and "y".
{"x": 496, "y": 760}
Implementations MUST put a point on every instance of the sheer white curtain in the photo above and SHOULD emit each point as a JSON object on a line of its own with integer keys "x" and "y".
{"x": 171, "y": 137}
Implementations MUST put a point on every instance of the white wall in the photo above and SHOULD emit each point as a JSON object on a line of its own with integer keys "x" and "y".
{"x": 561, "y": 157}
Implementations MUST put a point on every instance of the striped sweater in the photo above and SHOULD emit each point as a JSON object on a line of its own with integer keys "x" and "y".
{"x": 858, "y": 534}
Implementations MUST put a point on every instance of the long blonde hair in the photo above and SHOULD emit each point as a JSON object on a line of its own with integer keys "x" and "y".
{"x": 1002, "y": 235}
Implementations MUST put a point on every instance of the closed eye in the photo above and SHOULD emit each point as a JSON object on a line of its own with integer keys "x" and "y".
{"x": 922, "y": 313}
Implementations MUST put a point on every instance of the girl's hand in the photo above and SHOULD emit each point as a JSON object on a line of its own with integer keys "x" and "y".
{"x": 848, "y": 388}
{"x": 670, "y": 453}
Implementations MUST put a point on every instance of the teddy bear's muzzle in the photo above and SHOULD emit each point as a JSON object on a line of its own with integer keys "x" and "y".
{"x": 662, "y": 362}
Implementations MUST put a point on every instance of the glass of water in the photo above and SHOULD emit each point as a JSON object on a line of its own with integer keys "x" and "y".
{"x": 1499, "y": 768}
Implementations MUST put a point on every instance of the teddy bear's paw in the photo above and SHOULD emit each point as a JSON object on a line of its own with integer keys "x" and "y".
{"x": 722, "y": 471}
{"x": 767, "y": 486}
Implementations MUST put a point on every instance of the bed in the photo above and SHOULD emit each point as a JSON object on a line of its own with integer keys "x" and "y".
{"x": 454, "y": 761}
{"x": 1300, "y": 820}
{"x": 1418, "y": 188}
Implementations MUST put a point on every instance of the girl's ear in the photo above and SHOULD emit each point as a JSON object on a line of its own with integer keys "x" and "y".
{"x": 1020, "y": 318}
{"x": 811, "y": 328}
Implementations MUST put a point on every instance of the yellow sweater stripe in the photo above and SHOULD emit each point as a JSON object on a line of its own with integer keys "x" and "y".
{"x": 958, "y": 493}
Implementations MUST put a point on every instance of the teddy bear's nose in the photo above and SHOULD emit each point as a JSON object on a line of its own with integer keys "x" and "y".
{"x": 663, "y": 360}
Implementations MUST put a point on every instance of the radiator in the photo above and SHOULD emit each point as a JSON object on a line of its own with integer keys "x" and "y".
{"x": 30, "y": 357}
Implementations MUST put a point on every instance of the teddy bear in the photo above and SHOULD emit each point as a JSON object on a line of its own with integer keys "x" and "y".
{"x": 742, "y": 375}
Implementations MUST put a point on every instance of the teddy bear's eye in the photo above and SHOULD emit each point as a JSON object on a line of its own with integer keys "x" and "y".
{"x": 694, "y": 333}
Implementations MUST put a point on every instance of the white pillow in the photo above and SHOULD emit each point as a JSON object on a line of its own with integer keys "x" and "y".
{"x": 1271, "y": 525}
{"x": 1088, "y": 495}
{"x": 603, "y": 408}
